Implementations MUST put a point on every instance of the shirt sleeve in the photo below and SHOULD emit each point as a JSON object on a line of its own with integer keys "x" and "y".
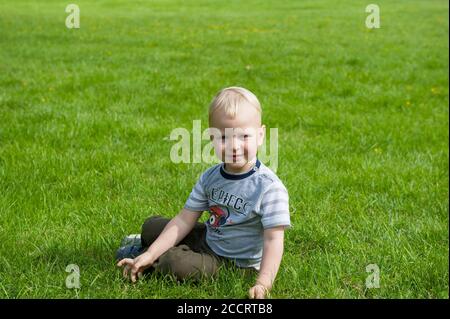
{"x": 274, "y": 209}
{"x": 197, "y": 200}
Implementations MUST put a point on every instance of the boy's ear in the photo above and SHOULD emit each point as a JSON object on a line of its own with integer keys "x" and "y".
{"x": 261, "y": 135}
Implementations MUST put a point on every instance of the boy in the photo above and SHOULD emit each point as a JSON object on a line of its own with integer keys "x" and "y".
{"x": 248, "y": 206}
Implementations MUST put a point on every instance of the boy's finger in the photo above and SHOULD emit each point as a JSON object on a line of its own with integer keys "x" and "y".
{"x": 124, "y": 261}
{"x": 133, "y": 273}
{"x": 260, "y": 293}
{"x": 251, "y": 293}
{"x": 125, "y": 271}
{"x": 137, "y": 265}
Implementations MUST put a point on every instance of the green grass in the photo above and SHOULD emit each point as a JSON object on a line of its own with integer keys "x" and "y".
{"x": 363, "y": 139}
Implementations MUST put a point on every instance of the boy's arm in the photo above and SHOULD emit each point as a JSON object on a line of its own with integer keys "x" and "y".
{"x": 172, "y": 234}
{"x": 271, "y": 259}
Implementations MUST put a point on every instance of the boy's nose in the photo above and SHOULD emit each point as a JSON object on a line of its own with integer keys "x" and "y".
{"x": 235, "y": 145}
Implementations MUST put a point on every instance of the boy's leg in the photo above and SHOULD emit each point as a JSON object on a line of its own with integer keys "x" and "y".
{"x": 153, "y": 226}
{"x": 191, "y": 258}
{"x": 185, "y": 263}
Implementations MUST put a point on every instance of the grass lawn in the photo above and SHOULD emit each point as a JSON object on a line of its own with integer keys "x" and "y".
{"x": 362, "y": 116}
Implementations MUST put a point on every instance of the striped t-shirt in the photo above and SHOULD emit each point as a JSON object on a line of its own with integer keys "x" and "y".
{"x": 240, "y": 207}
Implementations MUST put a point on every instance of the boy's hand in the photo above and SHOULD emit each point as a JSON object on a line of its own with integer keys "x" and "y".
{"x": 136, "y": 266}
{"x": 258, "y": 291}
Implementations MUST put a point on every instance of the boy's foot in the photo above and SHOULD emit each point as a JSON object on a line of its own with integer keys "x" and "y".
{"x": 133, "y": 239}
{"x": 129, "y": 251}
{"x": 130, "y": 247}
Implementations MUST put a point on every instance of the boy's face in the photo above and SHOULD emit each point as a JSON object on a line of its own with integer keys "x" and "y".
{"x": 236, "y": 140}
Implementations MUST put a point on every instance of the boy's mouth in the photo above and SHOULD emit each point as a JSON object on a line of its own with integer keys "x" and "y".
{"x": 235, "y": 157}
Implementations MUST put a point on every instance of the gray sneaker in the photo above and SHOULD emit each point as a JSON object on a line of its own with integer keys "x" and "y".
{"x": 133, "y": 239}
{"x": 129, "y": 251}
{"x": 130, "y": 247}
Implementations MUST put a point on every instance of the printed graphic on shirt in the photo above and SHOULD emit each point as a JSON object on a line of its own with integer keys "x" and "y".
{"x": 220, "y": 196}
{"x": 218, "y": 216}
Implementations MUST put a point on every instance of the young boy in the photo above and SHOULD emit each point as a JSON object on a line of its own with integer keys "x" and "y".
{"x": 247, "y": 203}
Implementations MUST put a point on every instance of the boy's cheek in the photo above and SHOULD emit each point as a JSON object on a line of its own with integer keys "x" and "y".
{"x": 252, "y": 146}
{"x": 259, "y": 141}
{"x": 218, "y": 147}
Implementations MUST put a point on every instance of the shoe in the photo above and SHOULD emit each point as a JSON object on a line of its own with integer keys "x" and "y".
{"x": 130, "y": 247}
{"x": 133, "y": 239}
{"x": 129, "y": 251}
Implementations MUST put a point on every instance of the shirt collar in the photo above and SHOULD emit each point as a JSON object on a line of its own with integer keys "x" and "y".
{"x": 240, "y": 176}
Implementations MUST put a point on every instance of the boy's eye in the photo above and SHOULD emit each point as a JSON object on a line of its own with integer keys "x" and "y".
{"x": 246, "y": 136}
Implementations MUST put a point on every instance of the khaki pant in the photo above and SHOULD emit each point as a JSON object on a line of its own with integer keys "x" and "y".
{"x": 191, "y": 258}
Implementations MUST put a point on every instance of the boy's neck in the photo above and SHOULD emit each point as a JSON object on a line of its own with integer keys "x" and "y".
{"x": 247, "y": 168}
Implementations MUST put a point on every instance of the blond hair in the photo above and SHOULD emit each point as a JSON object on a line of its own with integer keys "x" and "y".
{"x": 230, "y": 99}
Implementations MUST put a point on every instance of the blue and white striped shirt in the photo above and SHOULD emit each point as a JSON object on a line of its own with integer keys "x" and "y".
{"x": 241, "y": 207}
